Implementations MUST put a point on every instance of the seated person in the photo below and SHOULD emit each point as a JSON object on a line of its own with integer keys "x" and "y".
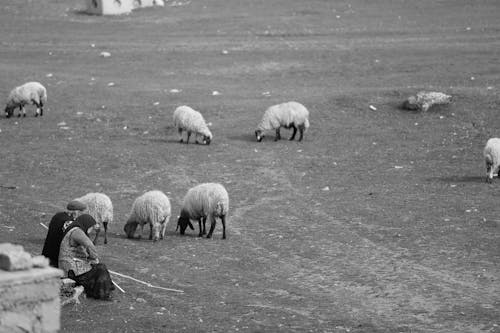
{"x": 55, "y": 233}
{"x": 77, "y": 252}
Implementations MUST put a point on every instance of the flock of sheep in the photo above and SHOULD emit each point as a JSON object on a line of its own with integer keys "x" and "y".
{"x": 209, "y": 200}
{"x": 205, "y": 201}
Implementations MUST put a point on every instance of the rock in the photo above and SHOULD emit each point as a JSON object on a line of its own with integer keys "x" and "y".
{"x": 40, "y": 261}
{"x": 424, "y": 100}
{"x": 13, "y": 257}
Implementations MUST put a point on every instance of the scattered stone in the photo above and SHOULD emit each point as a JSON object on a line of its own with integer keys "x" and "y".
{"x": 140, "y": 300}
{"x": 215, "y": 93}
{"x": 105, "y": 54}
{"x": 49, "y": 75}
{"x": 373, "y": 108}
{"x": 62, "y": 123}
{"x": 326, "y": 188}
{"x": 13, "y": 257}
{"x": 175, "y": 91}
{"x": 111, "y": 84}
{"x": 40, "y": 261}
{"x": 423, "y": 100}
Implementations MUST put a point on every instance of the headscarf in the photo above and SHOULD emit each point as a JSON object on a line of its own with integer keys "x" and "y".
{"x": 84, "y": 222}
{"x": 54, "y": 237}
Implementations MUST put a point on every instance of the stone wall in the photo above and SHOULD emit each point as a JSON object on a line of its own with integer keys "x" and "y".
{"x": 29, "y": 300}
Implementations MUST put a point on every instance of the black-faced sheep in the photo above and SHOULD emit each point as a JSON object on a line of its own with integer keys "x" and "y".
{"x": 100, "y": 207}
{"x": 208, "y": 200}
{"x": 30, "y": 92}
{"x": 492, "y": 157}
{"x": 151, "y": 208}
{"x": 191, "y": 121}
{"x": 288, "y": 115}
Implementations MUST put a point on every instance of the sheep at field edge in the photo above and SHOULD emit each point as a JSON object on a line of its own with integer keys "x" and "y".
{"x": 191, "y": 121}
{"x": 100, "y": 207}
{"x": 425, "y": 99}
{"x": 151, "y": 208}
{"x": 208, "y": 200}
{"x": 30, "y": 92}
{"x": 492, "y": 157}
{"x": 288, "y": 115}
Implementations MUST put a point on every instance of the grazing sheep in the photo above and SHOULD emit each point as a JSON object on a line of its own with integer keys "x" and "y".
{"x": 100, "y": 207}
{"x": 31, "y": 92}
{"x": 288, "y": 115}
{"x": 209, "y": 200}
{"x": 153, "y": 208}
{"x": 424, "y": 100}
{"x": 492, "y": 157}
{"x": 191, "y": 121}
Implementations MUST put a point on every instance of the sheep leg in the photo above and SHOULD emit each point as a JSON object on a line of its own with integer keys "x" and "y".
{"x": 179, "y": 130}
{"x": 37, "y": 108}
{"x": 163, "y": 227}
{"x": 212, "y": 225}
{"x": 301, "y": 132}
{"x": 204, "y": 223}
{"x": 223, "y": 220}
{"x": 489, "y": 174}
{"x": 96, "y": 236}
{"x": 189, "y": 134}
{"x": 105, "y": 224}
{"x": 278, "y": 136}
{"x": 292, "y": 125}
{"x": 142, "y": 230}
{"x": 41, "y": 108}
{"x": 200, "y": 234}
{"x": 150, "y": 231}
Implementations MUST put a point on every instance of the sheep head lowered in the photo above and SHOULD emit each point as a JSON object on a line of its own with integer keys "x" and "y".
{"x": 183, "y": 222}
{"x": 130, "y": 228}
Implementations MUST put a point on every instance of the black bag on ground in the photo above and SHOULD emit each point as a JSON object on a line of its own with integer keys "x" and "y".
{"x": 96, "y": 282}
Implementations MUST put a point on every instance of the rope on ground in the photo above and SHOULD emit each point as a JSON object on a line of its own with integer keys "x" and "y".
{"x": 145, "y": 283}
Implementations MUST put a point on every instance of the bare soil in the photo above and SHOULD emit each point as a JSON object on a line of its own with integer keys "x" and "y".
{"x": 379, "y": 221}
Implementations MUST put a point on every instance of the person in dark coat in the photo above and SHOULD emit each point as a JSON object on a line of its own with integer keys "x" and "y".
{"x": 55, "y": 233}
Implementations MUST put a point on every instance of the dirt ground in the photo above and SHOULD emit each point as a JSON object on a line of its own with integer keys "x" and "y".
{"x": 379, "y": 221}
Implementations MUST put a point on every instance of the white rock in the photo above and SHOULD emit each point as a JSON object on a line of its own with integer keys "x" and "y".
{"x": 62, "y": 123}
{"x": 111, "y": 84}
{"x": 326, "y": 188}
{"x": 373, "y": 108}
{"x": 49, "y": 75}
{"x": 174, "y": 91}
{"x": 105, "y": 54}
{"x": 215, "y": 93}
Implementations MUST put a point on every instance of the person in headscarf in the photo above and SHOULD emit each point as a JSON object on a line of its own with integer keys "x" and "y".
{"x": 77, "y": 253}
{"x": 55, "y": 233}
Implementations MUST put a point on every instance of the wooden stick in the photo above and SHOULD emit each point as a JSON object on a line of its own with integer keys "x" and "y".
{"x": 145, "y": 283}
{"x": 43, "y": 225}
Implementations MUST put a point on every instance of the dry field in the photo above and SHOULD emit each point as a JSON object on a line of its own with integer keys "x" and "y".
{"x": 379, "y": 221}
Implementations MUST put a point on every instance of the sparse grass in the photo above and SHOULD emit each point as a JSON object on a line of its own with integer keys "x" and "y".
{"x": 385, "y": 249}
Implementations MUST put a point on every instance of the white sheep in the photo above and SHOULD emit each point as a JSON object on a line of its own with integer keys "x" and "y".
{"x": 151, "y": 208}
{"x": 191, "y": 121}
{"x": 288, "y": 115}
{"x": 208, "y": 200}
{"x": 492, "y": 157}
{"x": 100, "y": 207}
{"x": 30, "y": 92}
{"x": 425, "y": 99}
